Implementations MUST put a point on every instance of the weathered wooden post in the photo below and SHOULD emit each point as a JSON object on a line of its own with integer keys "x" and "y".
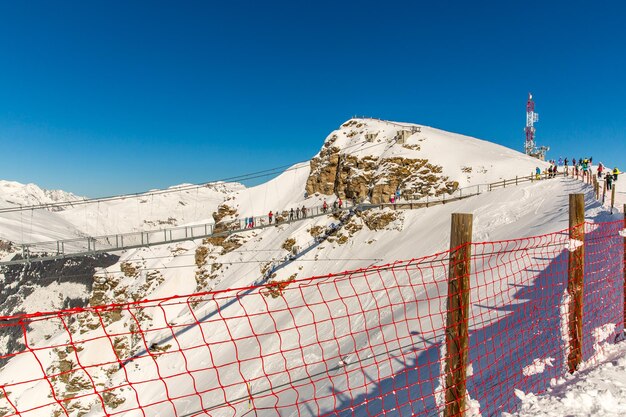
{"x": 612, "y": 197}
{"x": 575, "y": 278}
{"x": 604, "y": 191}
{"x": 457, "y": 338}
{"x": 516, "y": 180}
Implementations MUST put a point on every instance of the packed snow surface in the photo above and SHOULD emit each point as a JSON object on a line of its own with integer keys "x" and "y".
{"x": 596, "y": 390}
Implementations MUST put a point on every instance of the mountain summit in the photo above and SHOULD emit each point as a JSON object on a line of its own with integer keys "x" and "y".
{"x": 371, "y": 159}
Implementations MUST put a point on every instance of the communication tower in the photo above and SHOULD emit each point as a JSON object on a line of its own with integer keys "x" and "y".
{"x": 531, "y": 118}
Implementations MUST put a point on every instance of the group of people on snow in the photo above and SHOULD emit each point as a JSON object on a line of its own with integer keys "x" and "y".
{"x": 394, "y": 198}
{"x": 584, "y": 165}
{"x": 293, "y": 214}
{"x": 581, "y": 166}
{"x": 550, "y": 172}
{"x": 610, "y": 177}
{"x": 337, "y": 204}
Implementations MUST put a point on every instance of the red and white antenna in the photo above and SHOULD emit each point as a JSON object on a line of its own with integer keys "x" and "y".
{"x": 531, "y": 118}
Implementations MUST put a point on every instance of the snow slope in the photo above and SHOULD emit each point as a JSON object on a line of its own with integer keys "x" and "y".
{"x": 489, "y": 162}
{"x": 466, "y": 160}
{"x": 184, "y": 204}
{"x": 598, "y": 389}
{"x": 525, "y": 210}
{"x": 155, "y": 272}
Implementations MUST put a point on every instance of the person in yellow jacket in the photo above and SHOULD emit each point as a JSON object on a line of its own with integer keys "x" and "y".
{"x": 615, "y": 173}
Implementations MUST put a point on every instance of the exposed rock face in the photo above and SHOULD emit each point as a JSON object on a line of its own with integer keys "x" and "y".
{"x": 379, "y": 220}
{"x": 376, "y": 179}
{"x": 225, "y": 219}
{"x": 18, "y": 282}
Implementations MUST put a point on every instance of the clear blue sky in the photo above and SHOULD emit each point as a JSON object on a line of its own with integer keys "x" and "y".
{"x": 107, "y": 97}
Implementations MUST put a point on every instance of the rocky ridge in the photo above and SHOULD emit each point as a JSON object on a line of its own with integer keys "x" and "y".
{"x": 363, "y": 163}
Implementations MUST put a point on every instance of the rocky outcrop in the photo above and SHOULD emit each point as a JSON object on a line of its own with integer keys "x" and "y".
{"x": 379, "y": 220}
{"x": 375, "y": 179}
{"x": 225, "y": 219}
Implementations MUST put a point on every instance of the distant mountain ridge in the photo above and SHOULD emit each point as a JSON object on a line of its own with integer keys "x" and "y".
{"x": 15, "y": 193}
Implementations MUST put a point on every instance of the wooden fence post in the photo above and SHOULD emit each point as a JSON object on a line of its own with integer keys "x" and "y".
{"x": 604, "y": 190}
{"x": 612, "y": 197}
{"x": 624, "y": 270}
{"x": 575, "y": 278}
{"x": 457, "y": 338}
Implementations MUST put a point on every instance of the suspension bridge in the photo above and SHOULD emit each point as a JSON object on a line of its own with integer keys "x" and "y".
{"x": 94, "y": 245}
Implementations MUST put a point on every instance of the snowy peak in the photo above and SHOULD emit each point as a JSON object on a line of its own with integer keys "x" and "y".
{"x": 181, "y": 204}
{"x": 15, "y": 194}
{"x": 371, "y": 159}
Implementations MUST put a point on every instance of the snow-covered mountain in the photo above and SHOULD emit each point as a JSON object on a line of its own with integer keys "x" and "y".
{"x": 372, "y": 159}
{"x": 182, "y": 204}
{"x": 15, "y": 194}
{"x": 364, "y": 160}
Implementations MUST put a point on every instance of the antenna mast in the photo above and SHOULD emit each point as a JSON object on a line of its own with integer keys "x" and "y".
{"x": 531, "y": 118}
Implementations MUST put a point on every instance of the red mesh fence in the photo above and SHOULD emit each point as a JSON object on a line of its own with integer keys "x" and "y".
{"x": 361, "y": 343}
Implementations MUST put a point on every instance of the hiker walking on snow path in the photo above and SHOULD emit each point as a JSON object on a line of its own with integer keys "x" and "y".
{"x": 270, "y": 215}
{"x": 585, "y": 166}
{"x": 291, "y": 214}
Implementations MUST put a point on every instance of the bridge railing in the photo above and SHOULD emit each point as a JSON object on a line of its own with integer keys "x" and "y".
{"x": 121, "y": 241}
